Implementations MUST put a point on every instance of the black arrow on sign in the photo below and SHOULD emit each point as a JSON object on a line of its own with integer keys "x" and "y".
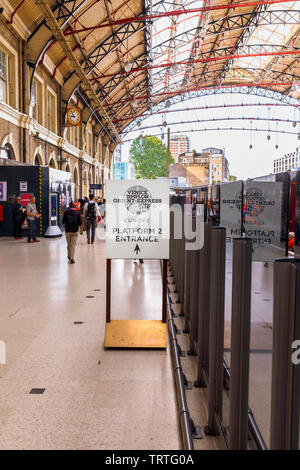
{"x": 137, "y": 249}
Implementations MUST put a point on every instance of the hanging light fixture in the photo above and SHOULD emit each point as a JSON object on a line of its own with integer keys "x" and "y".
{"x": 295, "y": 122}
{"x": 139, "y": 123}
{"x": 134, "y": 103}
{"x": 127, "y": 66}
{"x": 174, "y": 68}
{"x": 168, "y": 103}
{"x": 251, "y": 146}
{"x": 268, "y": 136}
{"x": 165, "y": 124}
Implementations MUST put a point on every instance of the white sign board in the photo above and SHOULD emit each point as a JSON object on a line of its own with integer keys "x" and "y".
{"x": 138, "y": 219}
{"x": 231, "y": 212}
{"x": 23, "y": 186}
{"x": 262, "y": 215}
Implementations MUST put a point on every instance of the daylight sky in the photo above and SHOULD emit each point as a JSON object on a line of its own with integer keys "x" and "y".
{"x": 243, "y": 162}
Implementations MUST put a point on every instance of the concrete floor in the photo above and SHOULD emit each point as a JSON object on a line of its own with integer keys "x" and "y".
{"x": 93, "y": 398}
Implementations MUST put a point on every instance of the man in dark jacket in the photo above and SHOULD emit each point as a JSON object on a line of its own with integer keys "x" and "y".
{"x": 17, "y": 215}
{"x": 72, "y": 221}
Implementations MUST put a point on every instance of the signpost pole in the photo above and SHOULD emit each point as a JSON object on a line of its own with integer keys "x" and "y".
{"x": 168, "y": 160}
{"x": 108, "y": 289}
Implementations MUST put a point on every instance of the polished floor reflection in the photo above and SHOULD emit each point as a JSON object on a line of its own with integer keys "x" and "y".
{"x": 52, "y": 320}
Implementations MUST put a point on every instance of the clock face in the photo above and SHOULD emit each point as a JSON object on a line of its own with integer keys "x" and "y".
{"x": 73, "y": 116}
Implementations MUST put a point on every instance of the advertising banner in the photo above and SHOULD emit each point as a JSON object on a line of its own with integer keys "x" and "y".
{"x": 138, "y": 219}
{"x": 3, "y": 191}
{"x": 53, "y": 209}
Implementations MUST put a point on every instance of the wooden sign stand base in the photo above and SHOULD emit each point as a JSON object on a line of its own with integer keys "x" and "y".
{"x": 136, "y": 333}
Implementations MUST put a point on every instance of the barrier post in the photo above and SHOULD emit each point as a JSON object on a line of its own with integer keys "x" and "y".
{"x": 240, "y": 343}
{"x": 164, "y": 290}
{"x": 285, "y": 361}
{"x": 194, "y": 295}
{"x": 203, "y": 306}
{"x": 216, "y": 329}
{"x": 108, "y": 289}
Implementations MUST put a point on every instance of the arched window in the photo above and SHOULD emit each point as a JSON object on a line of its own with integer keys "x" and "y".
{"x": 52, "y": 163}
{"x": 38, "y": 160}
{"x": 10, "y": 153}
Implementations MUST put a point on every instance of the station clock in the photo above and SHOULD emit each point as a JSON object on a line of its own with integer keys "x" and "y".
{"x": 74, "y": 116}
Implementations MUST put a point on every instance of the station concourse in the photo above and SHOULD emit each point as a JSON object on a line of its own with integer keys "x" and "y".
{"x": 80, "y": 80}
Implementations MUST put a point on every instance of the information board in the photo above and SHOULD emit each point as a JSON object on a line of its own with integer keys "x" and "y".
{"x": 231, "y": 212}
{"x": 138, "y": 219}
{"x": 262, "y": 218}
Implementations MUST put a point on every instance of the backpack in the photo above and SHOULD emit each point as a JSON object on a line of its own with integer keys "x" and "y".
{"x": 91, "y": 211}
{"x": 71, "y": 222}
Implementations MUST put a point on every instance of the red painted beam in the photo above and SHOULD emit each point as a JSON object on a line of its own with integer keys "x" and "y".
{"x": 10, "y": 21}
{"x": 167, "y": 111}
{"x": 181, "y": 92}
{"x": 135, "y": 19}
{"x": 204, "y": 60}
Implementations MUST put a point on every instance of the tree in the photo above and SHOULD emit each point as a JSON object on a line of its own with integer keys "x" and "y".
{"x": 149, "y": 156}
{"x": 232, "y": 178}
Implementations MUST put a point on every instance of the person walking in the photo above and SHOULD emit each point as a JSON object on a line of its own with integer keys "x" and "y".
{"x": 90, "y": 213}
{"x": 18, "y": 218}
{"x": 72, "y": 221}
{"x": 77, "y": 205}
{"x": 32, "y": 216}
{"x": 102, "y": 210}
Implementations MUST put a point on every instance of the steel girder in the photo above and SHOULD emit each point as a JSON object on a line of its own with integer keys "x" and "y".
{"x": 257, "y": 50}
{"x": 209, "y": 77}
{"x": 247, "y": 31}
{"x": 205, "y": 129}
{"x": 249, "y": 51}
{"x": 63, "y": 11}
{"x": 216, "y": 27}
{"x": 263, "y": 92}
{"x": 211, "y": 107}
{"x": 108, "y": 45}
{"x": 229, "y": 118}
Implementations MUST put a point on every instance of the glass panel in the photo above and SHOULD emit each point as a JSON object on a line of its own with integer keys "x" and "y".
{"x": 2, "y": 90}
{"x": 261, "y": 346}
{"x": 231, "y": 212}
{"x": 264, "y": 219}
{"x": 231, "y": 219}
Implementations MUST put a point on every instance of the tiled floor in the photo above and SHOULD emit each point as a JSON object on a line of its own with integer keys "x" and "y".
{"x": 94, "y": 398}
